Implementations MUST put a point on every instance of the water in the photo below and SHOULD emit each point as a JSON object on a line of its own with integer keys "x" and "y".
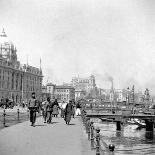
{"x": 128, "y": 141}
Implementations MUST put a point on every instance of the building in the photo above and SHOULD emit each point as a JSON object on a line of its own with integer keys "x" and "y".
{"x": 64, "y": 93}
{"x": 17, "y": 81}
{"x": 45, "y": 94}
{"x": 85, "y": 84}
{"x": 51, "y": 89}
{"x": 79, "y": 94}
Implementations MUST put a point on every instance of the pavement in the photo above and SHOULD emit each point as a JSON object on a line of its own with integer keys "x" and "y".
{"x": 44, "y": 139}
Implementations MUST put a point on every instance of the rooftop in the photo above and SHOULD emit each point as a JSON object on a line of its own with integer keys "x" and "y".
{"x": 64, "y": 87}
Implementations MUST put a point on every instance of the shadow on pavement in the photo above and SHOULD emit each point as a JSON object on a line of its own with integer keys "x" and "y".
{"x": 72, "y": 124}
{"x": 40, "y": 125}
{"x": 54, "y": 122}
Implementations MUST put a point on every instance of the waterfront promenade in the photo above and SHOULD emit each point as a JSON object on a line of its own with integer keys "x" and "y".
{"x": 56, "y": 138}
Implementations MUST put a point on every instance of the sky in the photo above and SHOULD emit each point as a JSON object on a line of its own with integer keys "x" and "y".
{"x": 107, "y": 38}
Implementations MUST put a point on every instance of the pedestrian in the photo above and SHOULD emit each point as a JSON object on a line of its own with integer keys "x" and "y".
{"x": 73, "y": 108}
{"x": 78, "y": 111}
{"x": 63, "y": 106}
{"x": 55, "y": 108}
{"x": 49, "y": 110}
{"x": 32, "y": 106}
{"x": 44, "y": 112}
{"x": 68, "y": 112}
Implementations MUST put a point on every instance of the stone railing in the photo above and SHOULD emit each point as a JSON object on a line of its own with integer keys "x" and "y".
{"x": 96, "y": 140}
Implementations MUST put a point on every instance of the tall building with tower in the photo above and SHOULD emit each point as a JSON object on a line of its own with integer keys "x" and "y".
{"x": 84, "y": 86}
{"x": 17, "y": 81}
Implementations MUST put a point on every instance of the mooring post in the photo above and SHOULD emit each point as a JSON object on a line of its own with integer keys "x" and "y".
{"x": 118, "y": 125}
{"x": 18, "y": 114}
{"x": 87, "y": 121}
{"x": 84, "y": 119}
{"x": 4, "y": 114}
{"x": 92, "y": 135}
{"x": 149, "y": 125}
{"x": 97, "y": 141}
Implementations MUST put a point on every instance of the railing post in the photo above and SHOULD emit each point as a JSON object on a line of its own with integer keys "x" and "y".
{"x": 18, "y": 114}
{"x": 28, "y": 113}
{"x": 86, "y": 123}
{"x": 88, "y": 127}
{"x": 92, "y": 135}
{"x": 4, "y": 114}
{"x": 97, "y": 141}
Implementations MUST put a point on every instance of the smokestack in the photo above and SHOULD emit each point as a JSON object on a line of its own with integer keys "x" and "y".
{"x": 112, "y": 86}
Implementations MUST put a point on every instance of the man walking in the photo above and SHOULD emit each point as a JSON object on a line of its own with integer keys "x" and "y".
{"x": 32, "y": 106}
{"x": 78, "y": 111}
{"x": 44, "y": 110}
{"x": 49, "y": 110}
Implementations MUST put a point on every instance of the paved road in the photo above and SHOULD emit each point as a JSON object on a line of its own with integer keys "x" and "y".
{"x": 54, "y": 139}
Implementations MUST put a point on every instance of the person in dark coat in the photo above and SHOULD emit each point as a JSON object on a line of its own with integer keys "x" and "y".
{"x": 73, "y": 108}
{"x": 49, "y": 110}
{"x": 68, "y": 112}
{"x": 32, "y": 106}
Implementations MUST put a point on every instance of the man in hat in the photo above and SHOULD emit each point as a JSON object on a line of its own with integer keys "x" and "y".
{"x": 32, "y": 105}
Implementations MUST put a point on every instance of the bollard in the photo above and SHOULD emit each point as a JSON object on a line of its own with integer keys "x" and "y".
{"x": 88, "y": 127}
{"x": 86, "y": 124}
{"x": 97, "y": 141}
{"x": 111, "y": 147}
{"x": 4, "y": 114}
{"x": 18, "y": 113}
{"x": 92, "y": 135}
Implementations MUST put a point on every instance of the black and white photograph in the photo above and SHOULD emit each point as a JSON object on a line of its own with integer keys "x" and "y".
{"x": 77, "y": 77}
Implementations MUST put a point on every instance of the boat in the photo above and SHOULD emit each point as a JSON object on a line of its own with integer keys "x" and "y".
{"x": 140, "y": 123}
{"x": 107, "y": 119}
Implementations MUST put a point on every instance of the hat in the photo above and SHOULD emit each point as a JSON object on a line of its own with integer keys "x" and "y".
{"x": 33, "y": 93}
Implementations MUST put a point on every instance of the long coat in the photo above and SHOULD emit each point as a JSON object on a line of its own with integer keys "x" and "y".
{"x": 55, "y": 110}
{"x": 68, "y": 112}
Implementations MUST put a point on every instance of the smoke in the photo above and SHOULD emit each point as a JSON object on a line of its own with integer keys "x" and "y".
{"x": 103, "y": 77}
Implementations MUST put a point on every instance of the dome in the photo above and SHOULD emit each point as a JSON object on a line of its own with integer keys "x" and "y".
{"x": 4, "y": 39}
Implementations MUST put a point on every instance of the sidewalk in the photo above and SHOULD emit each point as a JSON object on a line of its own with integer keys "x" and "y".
{"x": 45, "y": 139}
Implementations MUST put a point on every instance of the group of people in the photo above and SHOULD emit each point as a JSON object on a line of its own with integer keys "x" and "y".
{"x": 51, "y": 108}
{"x": 6, "y": 103}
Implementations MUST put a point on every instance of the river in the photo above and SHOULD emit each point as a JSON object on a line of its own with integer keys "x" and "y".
{"x": 128, "y": 141}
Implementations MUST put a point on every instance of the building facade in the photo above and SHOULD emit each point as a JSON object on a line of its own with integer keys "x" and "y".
{"x": 64, "y": 93}
{"x": 79, "y": 94}
{"x": 51, "y": 89}
{"x": 85, "y": 84}
{"x": 17, "y": 81}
